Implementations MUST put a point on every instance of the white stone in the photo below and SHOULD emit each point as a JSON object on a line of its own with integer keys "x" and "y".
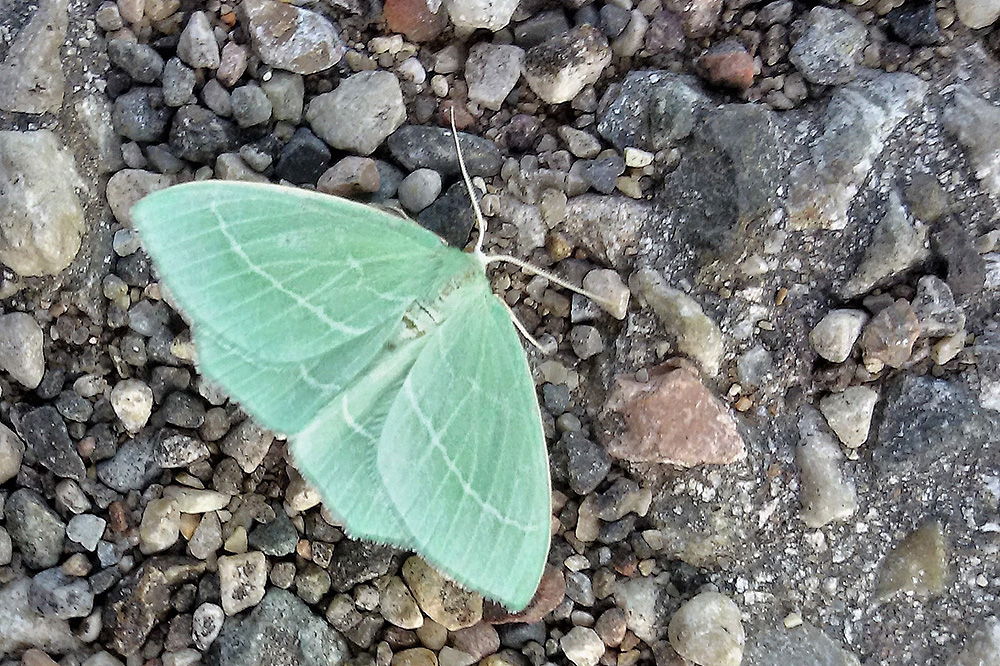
{"x": 358, "y": 116}
{"x": 708, "y": 630}
{"x": 197, "y": 46}
{"x": 160, "y": 526}
{"x": 492, "y": 71}
{"x": 825, "y": 492}
{"x": 849, "y": 413}
{"x": 31, "y": 76}
{"x": 834, "y": 336}
{"x": 582, "y": 646}
{"x": 86, "y": 530}
{"x": 132, "y": 401}
{"x": 21, "y": 353}
{"x": 608, "y": 285}
{"x": 195, "y": 500}
{"x": 471, "y": 14}
{"x": 559, "y": 68}
{"x": 242, "y": 579}
{"x": 206, "y": 624}
{"x": 978, "y": 14}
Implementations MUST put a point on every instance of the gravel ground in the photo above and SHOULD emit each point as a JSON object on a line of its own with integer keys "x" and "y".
{"x": 787, "y": 451}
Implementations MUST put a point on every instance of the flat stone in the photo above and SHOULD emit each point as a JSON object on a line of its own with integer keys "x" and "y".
{"x": 242, "y": 579}
{"x": 977, "y": 14}
{"x": 442, "y": 600}
{"x": 86, "y": 529}
{"x": 559, "y": 68}
{"x": 849, "y": 413}
{"x": 805, "y": 645}
{"x": 896, "y": 245}
{"x": 31, "y": 76}
{"x": 21, "y": 353}
{"x": 492, "y": 71}
{"x": 281, "y": 629}
{"x": 41, "y": 218}
{"x": 696, "y": 334}
{"x": 672, "y": 418}
{"x": 826, "y": 494}
{"x": 424, "y": 147}
{"x": 132, "y": 467}
{"x": 160, "y": 526}
{"x": 414, "y": 19}
{"x": 834, "y": 336}
{"x": 291, "y": 38}
{"x": 708, "y": 629}
{"x": 44, "y": 431}
{"x": 917, "y": 565}
{"x": 399, "y": 607}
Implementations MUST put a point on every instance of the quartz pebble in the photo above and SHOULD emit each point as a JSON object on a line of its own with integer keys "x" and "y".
{"x": 582, "y": 646}
{"x": 86, "y": 529}
{"x": 834, "y": 336}
{"x": 607, "y": 285}
{"x": 132, "y": 400}
{"x": 917, "y": 565}
{"x": 890, "y": 335}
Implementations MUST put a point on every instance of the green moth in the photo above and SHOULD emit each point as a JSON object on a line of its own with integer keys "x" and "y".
{"x": 385, "y": 357}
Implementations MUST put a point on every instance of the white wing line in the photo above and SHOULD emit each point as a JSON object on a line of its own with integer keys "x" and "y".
{"x": 466, "y": 487}
{"x": 316, "y": 311}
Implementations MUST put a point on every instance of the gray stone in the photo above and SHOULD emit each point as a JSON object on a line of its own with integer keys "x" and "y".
{"x": 241, "y": 581}
{"x": 804, "y": 645}
{"x": 199, "y": 135}
{"x": 358, "y": 116}
{"x": 977, "y": 14}
{"x": 419, "y": 189}
{"x": 683, "y": 319}
{"x": 935, "y": 308}
{"x": 559, "y": 68}
{"x": 11, "y": 454}
{"x": 178, "y": 83}
{"x": 286, "y": 92}
{"x": 175, "y": 450}
{"x": 35, "y": 529}
{"x": 133, "y": 466}
{"x": 834, "y": 336}
{"x": 966, "y": 273}
{"x": 251, "y": 106}
{"x": 311, "y": 583}
{"x": 54, "y": 594}
{"x": 651, "y": 110}
{"x": 418, "y": 146}
{"x": 139, "y": 61}
{"x": 230, "y": 166}
{"x": 217, "y": 98}
{"x": 6, "y": 548}
{"x": 41, "y": 219}
{"x": 277, "y": 538}
{"x": 197, "y": 46}
{"x": 31, "y": 76}
{"x": 586, "y": 341}
{"x": 280, "y": 630}
{"x": 582, "y": 646}
{"x": 581, "y": 144}
{"x": 93, "y": 113}
{"x": 982, "y": 647}
{"x": 708, "y": 630}
{"x": 248, "y": 443}
{"x": 21, "y": 352}
{"x": 24, "y": 628}
{"x": 141, "y": 115}
{"x": 607, "y": 226}
{"x": 291, "y": 38}
{"x": 206, "y": 625}
{"x": 826, "y": 494}
{"x": 356, "y": 562}
{"x": 896, "y": 245}
{"x": 849, "y": 413}
{"x": 44, "y": 431}
{"x": 492, "y": 71}
{"x": 829, "y": 51}
{"x": 86, "y": 529}
{"x": 642, "y": 599}
{"x": 128, "y": 186}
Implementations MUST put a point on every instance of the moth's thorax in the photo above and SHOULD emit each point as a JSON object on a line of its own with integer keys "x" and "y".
{"x": 425, "y": 314}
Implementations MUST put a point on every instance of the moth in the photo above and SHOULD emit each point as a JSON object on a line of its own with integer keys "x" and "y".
{"x": 385, "y": 357}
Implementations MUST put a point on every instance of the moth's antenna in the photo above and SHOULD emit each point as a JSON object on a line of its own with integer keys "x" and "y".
{"x": 521, "y": 328}
{"x": 606, "y": 304}
{"x": 480, "y": 220}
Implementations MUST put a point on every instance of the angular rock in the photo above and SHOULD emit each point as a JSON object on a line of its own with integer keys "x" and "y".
{"x": 805, "y": 645}
{"x": 442, "y": 600}
{"x": 683, "y": 319}
{"x": 11, "y": 454}
{"x": 672, "y": 418}
{"x": 142, "y": 600}
{"x": 197, "y": 46}
{"x": 248, "y": 443}
{"x": 132, "y": 467}
{"x": 849, "y": 413}
{"x": 21, "y": 353}
{"x": 966, "y": 268}
{"x": 708, "y": 629}
{"x": 44, "y": 431}
{"x": 291, "y": 38}
{"x": 140, "y": 61}
{"x": 559, "y": 68}
{"x": 890, "y": 335}
{"x": 582, "y": 646}
{"x": 54, "y": 594}
{"x": 917, "y": 565}
{"x": 834, "y": 336}
{"x": 141, "y": 114}
{"x": 128, "y": 186}
{"x": 36, "y": 531}
{"x": 650, "y": 110}
{"x": 31, "y": 76}
{"x": 896, "y": 245}
{"x": 423, "y": 147}
{"x": 132, "y": 400}
{"x": 86, "y": 529}
{"x": 826, "y": 494}
{"x": 472, "y": 14}
{"x": 358, "y": 116}
{"x": 492, "y": 71}
{"x": 829, "y": 51}
{"x": 286, "y": 92}
{"x": 198, "y": 135}
{"x": 41, "y": 219}
{"x": 608, "y": 226}
{"x": 935, "y": 308}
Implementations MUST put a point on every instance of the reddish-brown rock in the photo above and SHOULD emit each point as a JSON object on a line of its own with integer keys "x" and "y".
{"x": 672, "y": 418}
{"x": 414, "y": 19}
{"x": 727, "y": 65}
{"x": 550, "y": 593}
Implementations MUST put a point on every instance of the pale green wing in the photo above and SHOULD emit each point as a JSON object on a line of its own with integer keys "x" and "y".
{"x": 462, "y": 454}
{"x": 336, "y": 452}
{"x": 287, "y": 395}
{"x": 286, "y": 274}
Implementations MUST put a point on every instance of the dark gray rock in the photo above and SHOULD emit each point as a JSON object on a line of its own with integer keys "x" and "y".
{"x": 178, "y": 83}
{"x": 417, "y": 146}
{"x": 651, "y": 110}
{"x": 916, "y": 23}
{"x": 277, "y": 538}
{"x": 141, "y": 115}
{"x": 140, "y": 61}
{"x": 44, "y": 431}
{"x": 280, "y": 630}
{"x": 450, "y": 216}
{"x": 540, "y": 27}
{"x": 133, "y": 466}
{"x": 804, "y": 645}
{"x": 966, "y": 267}
{"x": 602, "y": 173}
{"x": 198, "y": 135}
{"x": 36, "y": 531}
{"x": 303, "y": 159}
{"x": 829, "y": 51}
{"x": 587, "y": 463}
{"x": 356, "y": 562}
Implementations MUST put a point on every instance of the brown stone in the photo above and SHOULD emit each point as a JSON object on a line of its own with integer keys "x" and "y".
{"x": 414, "y": 19}
{"x": 479, "y": 640}
{"x": 890, "y": 335}
{"x": 350, "y": 176}
{"x": 727, "y": 65}
{"x": 550, "y": 593}
{"x": 672, "y": 418}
